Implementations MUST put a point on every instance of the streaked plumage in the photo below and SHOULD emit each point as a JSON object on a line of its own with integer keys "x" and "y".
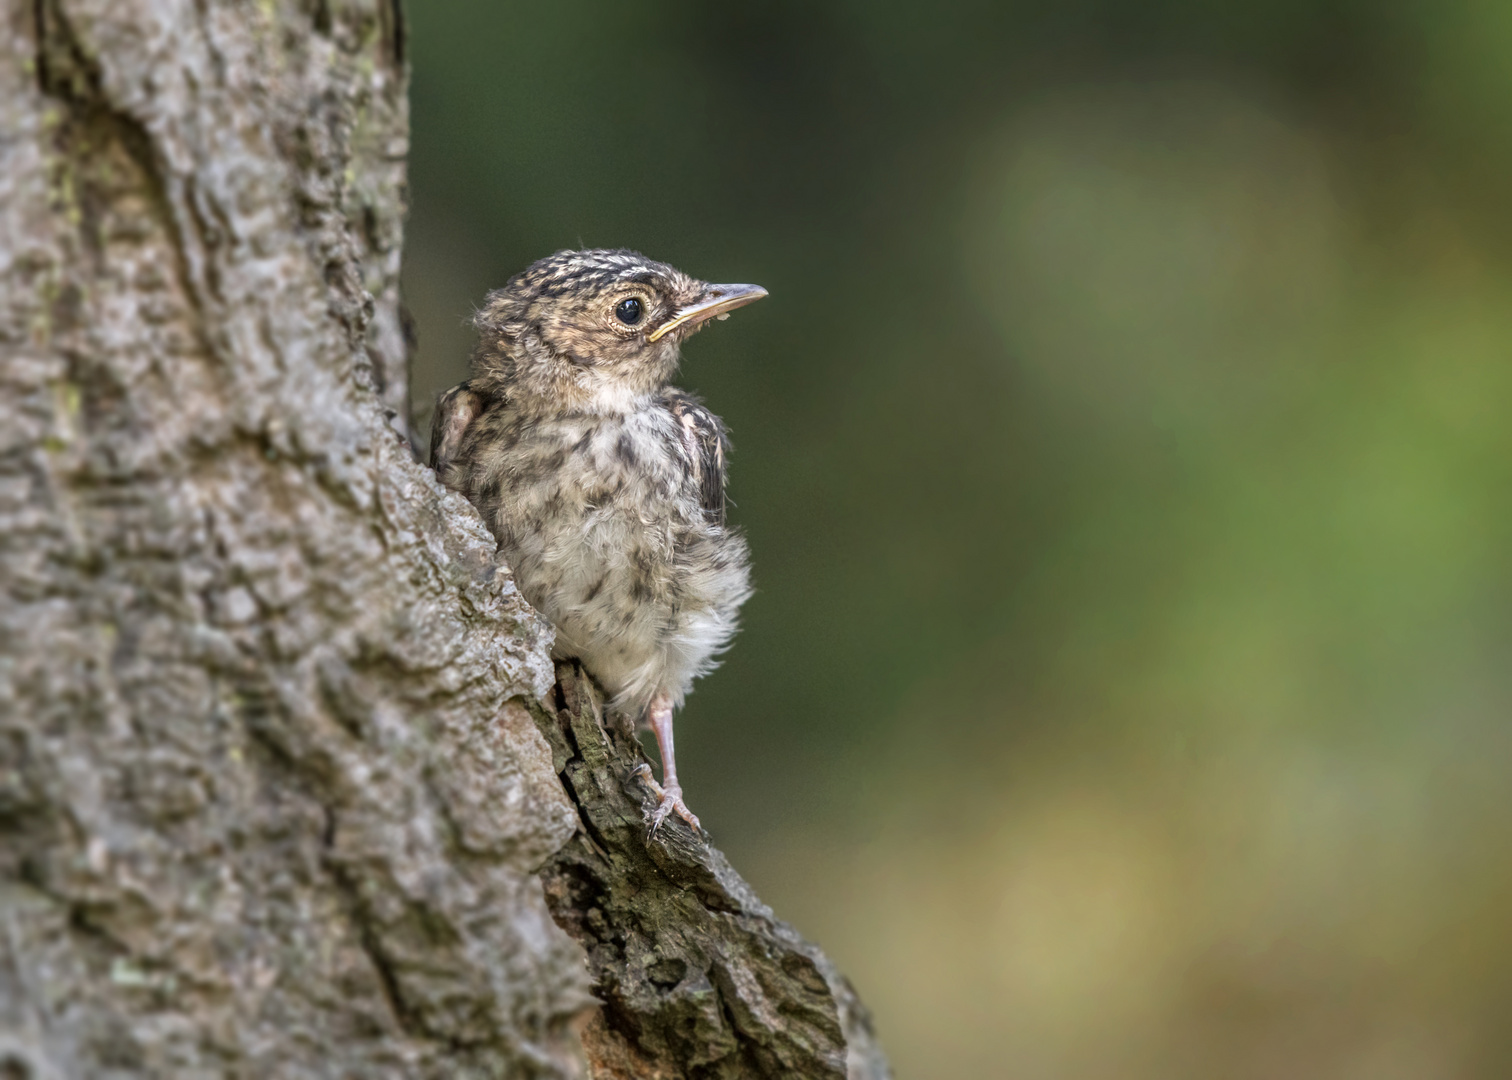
{"x": 603, "y": 484}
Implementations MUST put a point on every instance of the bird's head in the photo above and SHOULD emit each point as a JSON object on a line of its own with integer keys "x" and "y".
{"x": 593, "y": 331}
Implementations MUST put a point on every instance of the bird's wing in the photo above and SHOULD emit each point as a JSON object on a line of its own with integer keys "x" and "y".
{"x": 704, "y": 445}
{"x": 455, "y": 410}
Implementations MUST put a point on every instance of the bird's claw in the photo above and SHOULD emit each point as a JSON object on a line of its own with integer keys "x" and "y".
{"x": 648, "y": 777}
{"x": 670, "y": 801}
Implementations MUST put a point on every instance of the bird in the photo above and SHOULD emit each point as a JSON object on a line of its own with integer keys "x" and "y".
{"x": 603, "y": 483}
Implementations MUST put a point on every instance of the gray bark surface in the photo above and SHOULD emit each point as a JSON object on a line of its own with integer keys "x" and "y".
{"x": 281, "y": 749}
{"x": 697, "y": 977}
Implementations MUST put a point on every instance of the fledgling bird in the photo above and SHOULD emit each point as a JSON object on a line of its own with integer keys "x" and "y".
{"x": 603, "y": 483}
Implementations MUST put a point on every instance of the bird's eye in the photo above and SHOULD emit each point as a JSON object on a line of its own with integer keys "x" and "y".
{"x": 628, "y": 311}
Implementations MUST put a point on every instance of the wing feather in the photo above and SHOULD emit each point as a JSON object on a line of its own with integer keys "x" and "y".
{"x": 705, "y": 445}
{"x": 455, "y": 411}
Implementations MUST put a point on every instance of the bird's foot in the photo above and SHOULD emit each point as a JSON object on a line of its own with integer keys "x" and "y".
{"x": 670, "y": 802}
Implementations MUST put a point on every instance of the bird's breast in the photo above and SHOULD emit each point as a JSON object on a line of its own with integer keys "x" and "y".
{"x": 601, "y": 521}
{"x": 590, "y": 492}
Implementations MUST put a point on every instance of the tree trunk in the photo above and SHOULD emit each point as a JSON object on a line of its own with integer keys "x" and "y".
{"x": 282, "y": 755}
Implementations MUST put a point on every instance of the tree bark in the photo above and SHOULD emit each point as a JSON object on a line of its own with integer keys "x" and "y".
{"x": 282, "y": 754}
{"x": 696, "y": 975}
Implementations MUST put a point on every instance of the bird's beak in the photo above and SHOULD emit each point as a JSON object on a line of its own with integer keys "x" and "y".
{"x": 718, "y": 302}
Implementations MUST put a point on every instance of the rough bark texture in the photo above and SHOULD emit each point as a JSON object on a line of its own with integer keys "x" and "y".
{"x": 697, "y": 976}
{"x": 274, "y": 789}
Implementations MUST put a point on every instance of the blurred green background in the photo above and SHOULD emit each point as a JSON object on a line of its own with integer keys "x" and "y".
{"x": 1126, "y": 454}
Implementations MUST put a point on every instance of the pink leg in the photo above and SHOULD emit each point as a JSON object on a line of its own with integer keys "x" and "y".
{"x": 660, "y": 717}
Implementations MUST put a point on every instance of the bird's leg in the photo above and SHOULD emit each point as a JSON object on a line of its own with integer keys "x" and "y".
{"x": 659, "y": 715}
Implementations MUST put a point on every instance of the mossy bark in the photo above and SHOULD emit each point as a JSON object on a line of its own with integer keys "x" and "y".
{"x": 274, "y": 792}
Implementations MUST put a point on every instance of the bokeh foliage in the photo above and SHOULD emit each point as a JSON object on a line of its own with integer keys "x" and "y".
{"x": 1125, "y": 453}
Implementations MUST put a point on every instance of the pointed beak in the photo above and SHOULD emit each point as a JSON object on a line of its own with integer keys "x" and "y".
{"x": 718, "y": 302}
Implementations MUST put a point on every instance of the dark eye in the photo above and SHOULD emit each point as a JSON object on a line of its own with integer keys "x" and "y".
{"x": 628, "y": 311}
